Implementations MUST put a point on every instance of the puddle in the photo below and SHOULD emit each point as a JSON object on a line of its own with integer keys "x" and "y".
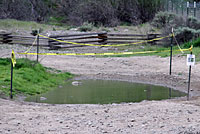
{"x": 104, "y": 92}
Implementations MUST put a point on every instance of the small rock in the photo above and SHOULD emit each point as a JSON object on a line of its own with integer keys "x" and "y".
{"x": 132, "y": 120}
{"x": 42, "y": 98}
{"x": 76, "y": 83}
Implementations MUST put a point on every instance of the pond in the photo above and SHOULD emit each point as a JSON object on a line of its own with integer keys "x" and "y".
{"x": 104, "y": 92}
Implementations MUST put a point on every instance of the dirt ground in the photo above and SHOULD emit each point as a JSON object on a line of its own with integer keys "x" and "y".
{"x": 176, "y": 116}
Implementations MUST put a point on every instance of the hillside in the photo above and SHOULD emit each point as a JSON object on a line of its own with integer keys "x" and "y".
{"x": 76, "y": 12}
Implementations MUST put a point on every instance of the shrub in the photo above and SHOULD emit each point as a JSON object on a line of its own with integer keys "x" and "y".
{"x": 186, "y": 29}
{"x": 185, "y": 34}
{"x": 193, "y": 23}
{"x": 166, "y": 19}
{"x": 86, "y": 27}
{"x": 96, "y": 12}
{"x": 195, "y": 43}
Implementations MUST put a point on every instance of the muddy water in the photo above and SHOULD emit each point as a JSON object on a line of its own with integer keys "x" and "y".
{"x": 104, "y": 92}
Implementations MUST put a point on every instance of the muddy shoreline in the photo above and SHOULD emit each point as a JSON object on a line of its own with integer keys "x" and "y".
{"x": 148, "y": 117}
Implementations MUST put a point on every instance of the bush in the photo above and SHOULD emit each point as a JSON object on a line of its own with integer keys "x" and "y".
{"x": 96, "y": 12}
{"x": 166, "y": 19}
{"x": 195, "y": 43}
{"x": 185, "y": 34}
{"x": 193, "y": 23}
{"x": 108, "y": 12}
{"x": 186, "y": 29}
{"x": 76, "y": 12}
{"x": 86, "y": 27}
{"x": 28, "y": 10}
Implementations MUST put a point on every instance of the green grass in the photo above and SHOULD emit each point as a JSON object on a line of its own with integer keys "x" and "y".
{"x": 162, "y": 51}
{"x": 11, "y": 24}
{"x": 29, "y": 78}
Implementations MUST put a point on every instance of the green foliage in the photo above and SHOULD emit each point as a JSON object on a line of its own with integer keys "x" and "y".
{"x": 186, "y": 28}
{"x": 195, "y": 43}
{"x": 163, "y": 19}
{"x": 86, "y": 27}
{"x": 76, "y": 12}
{"x": 185, "y": 34}
{"x": 193, "y": 23}
{"x": 57, "y": 21}
{"x": 30, "y": 78}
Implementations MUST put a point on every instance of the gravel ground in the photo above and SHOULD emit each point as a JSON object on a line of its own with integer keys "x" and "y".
{"x": 176, "y": 116}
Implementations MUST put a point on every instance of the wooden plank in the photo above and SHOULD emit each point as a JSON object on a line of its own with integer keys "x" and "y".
{"x": 136, "y": 35}
{"x": 127, "y": 38}
{"x": 91, "y": 41}
{"x": 25, "y": 37}
{"x": 26, "y": 43}
{"x": 120, "y": 42}
{"x": 71, "y": 35}
{"x": 4, "y": 34}
{"x": 64, "y": 46}
{"x": 77, "y": 38}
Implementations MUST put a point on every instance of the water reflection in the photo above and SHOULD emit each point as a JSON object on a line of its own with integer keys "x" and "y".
{"x": 104, "y": 92}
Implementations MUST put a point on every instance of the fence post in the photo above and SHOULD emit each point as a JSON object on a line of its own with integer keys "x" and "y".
{"x": 5, "y": 38}
{"x": 38, "y": 39}
{"x": 50, "y": 43}
{"x": 171, "y": 52}
{"x": 182, "y": 6}
{"x": 167, "y": 5}
{"x": 103, "y": 38}
{"x": 195, "y": 5}
{"x": 13, "y": 62}
{"x": 11, "y": 81}
{"x": 188, "y": 6}
{"x": 151, "y": 37}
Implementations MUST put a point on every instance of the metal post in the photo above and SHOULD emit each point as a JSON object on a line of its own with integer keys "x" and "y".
{"x": 38, "y": 45}
{"x": 177, "y": 8}
{"x": 194, "y": 8}
{"x": 11, "y": 81}
{"x": 188, "y": 6}
{"x": 190, "y": 69}
{"x": 171, "y": 51}
{"x": 167, "y": 5}
{"x": 182, "y": 6}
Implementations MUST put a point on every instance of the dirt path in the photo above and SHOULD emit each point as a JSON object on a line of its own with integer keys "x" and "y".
{"x": 148, "y": 117}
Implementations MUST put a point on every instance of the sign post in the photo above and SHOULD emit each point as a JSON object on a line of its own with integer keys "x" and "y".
{"x": 190, "y": 63}
{"x": 171, "y": 52}
{"x": 13, "y": 62}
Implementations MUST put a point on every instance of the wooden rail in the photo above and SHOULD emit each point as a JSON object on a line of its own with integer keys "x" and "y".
{"x": 84, "y": 38}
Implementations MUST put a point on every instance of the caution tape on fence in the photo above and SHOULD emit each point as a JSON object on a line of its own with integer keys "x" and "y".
{"x": 114, "y": 45}
{"x": 13, "y": 59}
{"x": 114, "y": 53}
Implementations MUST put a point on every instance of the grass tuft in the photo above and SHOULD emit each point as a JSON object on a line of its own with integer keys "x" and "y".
{"x": 30, "y": 78}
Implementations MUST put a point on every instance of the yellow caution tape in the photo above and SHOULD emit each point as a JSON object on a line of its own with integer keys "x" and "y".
{"x": 13, "y": 59}
{"x": 156, "y": 39}
{"x": 191, "y": 48}
{"x": 90, "y": 54}
{"x": 32, "y": 45}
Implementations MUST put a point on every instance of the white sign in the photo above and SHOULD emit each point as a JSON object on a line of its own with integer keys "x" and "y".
{"x": 195, "y": 4}
{"x": 190, "y": 60}
{"x": 188, "y": 4}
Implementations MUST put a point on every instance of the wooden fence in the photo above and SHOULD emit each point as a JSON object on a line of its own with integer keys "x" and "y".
{"x": 83, "y": 38}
